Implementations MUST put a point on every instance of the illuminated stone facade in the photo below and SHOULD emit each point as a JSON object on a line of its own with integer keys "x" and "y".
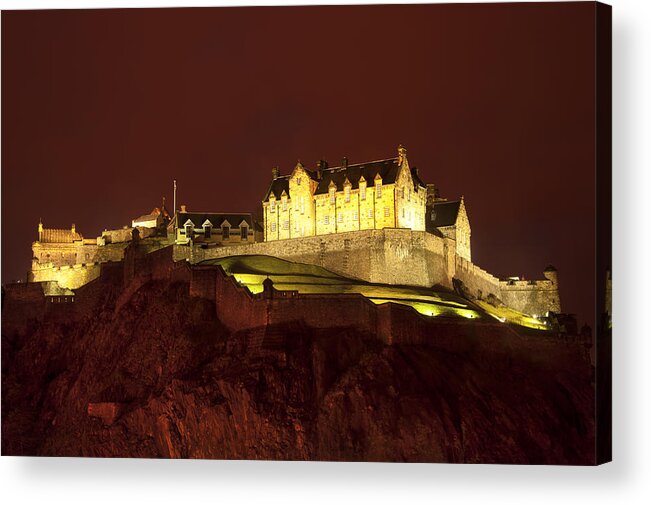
{"x": 365, "y": 196}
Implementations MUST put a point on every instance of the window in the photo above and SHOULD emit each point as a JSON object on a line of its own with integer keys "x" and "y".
{"x": 409, "y": 194}
{"x": 403, "y": 213}
{"x": 244, "y": 232}
{"x": 298, "y": 181}
{"x": 402, "y": 191}
{"x": 362, "y": 191}
{"x": 386, "y": 211}
{"x": 355, "y": 216}
{"x": 273, "y": 227}
{"x": 284, "y": 203}
{"x": 302, "y": 205}
{"x": 226, "y": 232}
{"x": 207, "y": 230}
{"x": 340, "y": 218}
{"x": 285, "y": 224}
{"x": 272, "y": 205}
{"x": 378, "y": 190}
{"x": 370, "y": 213}
{"x": 326, "y": 220}
{"x": 347, "y": 193}
{"x": 188, "y": 230}
{"x": 432, "y": 215}
{"x": 332, "y": 196}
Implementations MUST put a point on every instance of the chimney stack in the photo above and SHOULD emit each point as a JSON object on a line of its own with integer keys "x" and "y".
{"x": 344, "y": 162}
{"x": 183, "y": 208}
{"x": 275, "y": 172}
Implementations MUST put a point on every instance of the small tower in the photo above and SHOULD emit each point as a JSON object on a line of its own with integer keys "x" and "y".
{"x": 40, "y": 230}
{"x": 551, "y": 274}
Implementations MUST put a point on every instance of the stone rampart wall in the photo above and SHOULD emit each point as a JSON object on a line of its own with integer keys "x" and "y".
{"x": 477, "y": 281}
{"x": 392, "y": 256}
{"x": 531, "y": 297}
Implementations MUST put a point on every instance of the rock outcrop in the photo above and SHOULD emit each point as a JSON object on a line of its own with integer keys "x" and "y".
{"x": 157, "y": 375}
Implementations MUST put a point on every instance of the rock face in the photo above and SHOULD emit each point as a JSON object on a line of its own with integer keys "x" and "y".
{"x": 158, "y": 375}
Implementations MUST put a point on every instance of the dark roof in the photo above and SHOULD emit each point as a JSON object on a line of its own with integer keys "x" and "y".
{"x": 277, "y": 187}
{"x": 417, "y": 180}
{"x": 445, "y": 213}
{"x": 387, "y": 169}
{"x": 216, "y": 218}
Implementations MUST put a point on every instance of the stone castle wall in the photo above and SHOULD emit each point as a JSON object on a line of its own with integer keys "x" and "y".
{"x": 531, "y": 297}
{"x": 393, "y": 256}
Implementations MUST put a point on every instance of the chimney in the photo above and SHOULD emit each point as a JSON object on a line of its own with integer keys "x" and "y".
{"x": 275, "y": 172}
{"x": 432, "y": 194}
{"x": 344, "y": 162}
{"x": 321, "y": 165}
{"x": 73, "y": 228}
{"x": 183, "y": 208}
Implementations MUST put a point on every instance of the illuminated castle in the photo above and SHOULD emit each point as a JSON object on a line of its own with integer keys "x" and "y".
{"x": 375, "y": 221}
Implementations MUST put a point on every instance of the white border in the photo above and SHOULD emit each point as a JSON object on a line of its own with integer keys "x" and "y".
{"x": 627, "y": 480}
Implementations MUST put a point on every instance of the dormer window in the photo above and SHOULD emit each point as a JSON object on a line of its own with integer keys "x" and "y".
{"x": 332, "y": 196}
{"x": 347, "y": 193}
{"x": 226, "y": 231}
{"x": 189, "y": 229}
{"x": 284, "y": 200}
{"x": 244, "y": 232}
{"x": 272, "y": 205}
{"x": 207, "y": 229}
{"x": 378, "y": 189}
{"x": 362, "y": 190}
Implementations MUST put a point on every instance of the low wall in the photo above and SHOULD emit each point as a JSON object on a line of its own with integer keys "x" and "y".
{"x": 477, "y": 281}
{"x": 531, "y": 297}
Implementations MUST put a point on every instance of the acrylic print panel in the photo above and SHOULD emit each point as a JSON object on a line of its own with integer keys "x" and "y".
{"x": 344, "y": 233}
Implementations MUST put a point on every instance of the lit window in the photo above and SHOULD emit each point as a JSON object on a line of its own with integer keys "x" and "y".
{"x": 298, "y": 181}
{"x": 340, "y": 218}
{"x": 402, "y": 191}
{"x": 370, "y": 213}
{"x": 378, "y": 190}
{"x": 355, "y": 216}
{"x": 347, "y": 193}
{"x": 273, "y": 227}
{"x": 386, "y": 211}
{"x": 332, "y": 196}
{"x": 326, "y": 220}
{"x": 272, "y": 204}
{"x": 284, "y": 203}
{"x": 285, "y": 225}
{"x": 362, "y": 191}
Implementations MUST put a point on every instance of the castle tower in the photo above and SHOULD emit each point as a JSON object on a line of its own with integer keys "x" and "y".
{"x": 551, "y": 274}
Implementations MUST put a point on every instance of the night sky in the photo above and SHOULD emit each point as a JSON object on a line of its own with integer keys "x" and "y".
{"x": 102, "y": 109}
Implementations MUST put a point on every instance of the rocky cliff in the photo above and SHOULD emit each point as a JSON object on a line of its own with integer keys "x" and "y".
{"x": 154, "y": 373}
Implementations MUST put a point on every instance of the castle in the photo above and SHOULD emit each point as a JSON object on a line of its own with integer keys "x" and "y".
{"x": 374, "y": 221}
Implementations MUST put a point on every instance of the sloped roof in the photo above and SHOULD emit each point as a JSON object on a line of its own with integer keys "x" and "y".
{"x": 445, "y": 213}
{"x": 277, "y": 187}
{"x": 147, "y": 217}
{"x": 53, "y": 235}
{"x": 216, "y": 218}
{"x": 387, "y": 169}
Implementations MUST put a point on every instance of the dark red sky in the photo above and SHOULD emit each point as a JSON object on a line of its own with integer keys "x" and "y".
{"x": 101, "y": 109}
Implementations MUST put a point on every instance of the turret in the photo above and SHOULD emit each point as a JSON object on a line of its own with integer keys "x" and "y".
{"x": 551, "y": 274}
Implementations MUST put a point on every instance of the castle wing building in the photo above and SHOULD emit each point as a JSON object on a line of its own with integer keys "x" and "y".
{"x": 450, "y": 219}
{"x": 350, "y": 197}
{"x": 211, "y": 227}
